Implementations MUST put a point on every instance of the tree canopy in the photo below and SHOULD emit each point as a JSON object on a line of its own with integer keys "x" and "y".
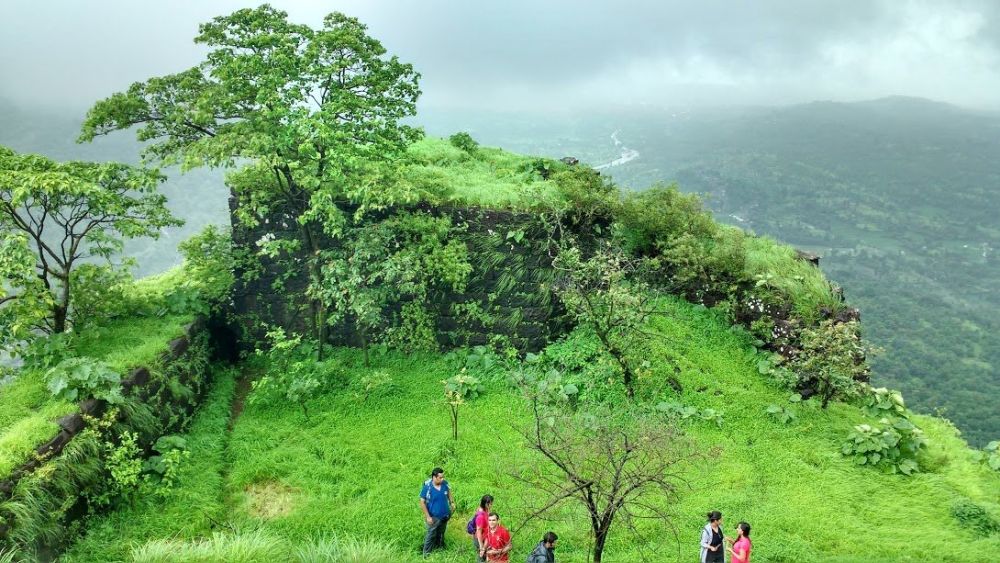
{"x": 57, "y": 215}
{"x": 306, "y": 117}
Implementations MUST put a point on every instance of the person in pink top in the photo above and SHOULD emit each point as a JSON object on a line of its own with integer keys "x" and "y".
{"x": 741, "y": 545}
{"x": 480, "y": 526}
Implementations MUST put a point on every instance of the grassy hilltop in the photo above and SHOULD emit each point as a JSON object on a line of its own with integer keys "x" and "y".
{"x": 263, "y": 481}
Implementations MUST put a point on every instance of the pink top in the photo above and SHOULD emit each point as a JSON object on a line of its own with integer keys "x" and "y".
{"x": 482, "y": 519}
{"x": 744, "y": 545}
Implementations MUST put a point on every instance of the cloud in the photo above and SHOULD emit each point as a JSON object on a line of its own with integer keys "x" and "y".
{"x": 557, "y": 53}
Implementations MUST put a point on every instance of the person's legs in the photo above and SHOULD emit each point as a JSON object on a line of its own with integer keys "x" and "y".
{"x": 442, "y": 526}
{"x": 475, "y": 548}
{"x": 430, "y": 540}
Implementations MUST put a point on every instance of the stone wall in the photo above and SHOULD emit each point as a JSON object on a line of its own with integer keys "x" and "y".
{"x": 62, "y": 481}
{"x": 509, "y": 291}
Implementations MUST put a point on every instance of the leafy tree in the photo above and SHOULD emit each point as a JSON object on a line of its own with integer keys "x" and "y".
{"x": 310, "y": 116}
{"x": 832, "y": 360}
{"x": 55, "y": 216}
{"x": 604, "y": 292}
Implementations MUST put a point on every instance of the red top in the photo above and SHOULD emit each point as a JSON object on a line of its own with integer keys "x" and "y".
{"x": 497, "y": 539}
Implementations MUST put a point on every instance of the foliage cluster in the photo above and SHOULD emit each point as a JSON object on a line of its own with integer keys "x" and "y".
{"x": 405, "y": 258}
{"x": 77, "y": 379}
{"x": 57, "y": 219}
{"x": 458, "y": 390}
{"x": 832, "y": 361}
{"x": 990, "y": 455}
{"x": 293, "y": 374}
{"x": 894, "y": 442}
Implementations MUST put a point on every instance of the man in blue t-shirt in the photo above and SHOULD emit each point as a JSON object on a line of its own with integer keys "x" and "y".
{"x": 437, "y": 504}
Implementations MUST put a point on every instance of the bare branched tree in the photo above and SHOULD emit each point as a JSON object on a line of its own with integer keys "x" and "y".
{"x": 621, "y": 466}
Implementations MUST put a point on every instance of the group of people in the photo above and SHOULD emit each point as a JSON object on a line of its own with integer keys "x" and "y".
{"x": 490, "y": 540}
{"x": 713, "y": 541}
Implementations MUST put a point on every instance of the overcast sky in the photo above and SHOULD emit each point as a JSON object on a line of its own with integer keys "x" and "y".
{"x": 517, "y": 54}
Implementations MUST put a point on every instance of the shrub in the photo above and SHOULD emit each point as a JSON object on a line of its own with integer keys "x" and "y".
{"x": 373, "y": 384}
{"x": 832, "y": 360}
{"x": 292, "y": 373}
{"x": 457, "y": 390}
{"x": 583, "y": 198}
{"x": 98, "y": 293}
{"x": 77, "y": 379}
{"x": 891, "y": 445}
{"x": 164, "y": 467}
{"x": 971, "y": 515}
{"x": 781, "y": 414}
{"x": 991, "y": 455}
{"x": 679, "y": 411}
{"x": 881, "y": 402}
{"x": 465, "y": 142}
{"x": 698, "y": 254}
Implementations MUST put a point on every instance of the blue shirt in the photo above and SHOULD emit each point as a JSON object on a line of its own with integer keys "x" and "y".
{"x": 436, "y": 499}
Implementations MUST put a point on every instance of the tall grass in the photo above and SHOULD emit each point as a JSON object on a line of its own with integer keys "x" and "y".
{"x": 490, "y": 177}
{"x": 249, "y": 547}
{"x": 347, "y": 550}
{"x": 778, "y": 267}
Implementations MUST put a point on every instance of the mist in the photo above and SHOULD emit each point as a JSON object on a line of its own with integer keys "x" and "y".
{"x": 551, "y": 56}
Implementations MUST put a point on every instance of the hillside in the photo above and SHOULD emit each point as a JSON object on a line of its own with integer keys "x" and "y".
{"x": 898, "y": 195}
{"x": 277, "y": 482}
{"x": 548, "y": 301}
{"x": 269, "y": 472}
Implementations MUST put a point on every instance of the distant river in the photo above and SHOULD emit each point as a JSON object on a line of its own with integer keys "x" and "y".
{"x": 628, "y": 154}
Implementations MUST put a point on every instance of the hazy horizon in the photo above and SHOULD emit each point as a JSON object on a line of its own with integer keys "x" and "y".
{"x": 559, "y": 56}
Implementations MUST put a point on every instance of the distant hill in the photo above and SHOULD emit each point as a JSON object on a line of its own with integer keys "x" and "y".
{"x": 899, "y": 195}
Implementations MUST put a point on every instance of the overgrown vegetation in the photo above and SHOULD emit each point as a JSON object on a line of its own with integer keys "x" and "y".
{"x": 643, "y": 399}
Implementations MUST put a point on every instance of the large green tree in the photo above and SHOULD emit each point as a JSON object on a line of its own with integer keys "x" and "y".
{"x": 306, "y": 118}
{"x": 55, "y": 216}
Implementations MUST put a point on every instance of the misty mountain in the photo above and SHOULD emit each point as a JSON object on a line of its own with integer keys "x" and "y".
{"x": 899, "y": 195}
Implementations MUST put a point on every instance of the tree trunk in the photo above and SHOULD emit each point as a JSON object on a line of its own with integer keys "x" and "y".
{"x": 320, "y": 329}
{"x": 364, "y": 346}
{"x": 60, "y": 310}
{"x": 600, "y": 537}
{"x": 619, "y": 356}
{"x": 59, "y": 319}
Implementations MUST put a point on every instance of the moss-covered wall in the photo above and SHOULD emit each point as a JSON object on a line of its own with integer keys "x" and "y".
{"x": 508, "y": 293}
{"x": 44, "y": 495}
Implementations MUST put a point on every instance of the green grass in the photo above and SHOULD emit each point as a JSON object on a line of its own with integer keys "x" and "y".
{"x": 191, "y": 510}
{"x": 28, "y": 412}
{"x": 780, "y": 268}
{"x": 490, "y": 178}
{"x": 353, "y": 470}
